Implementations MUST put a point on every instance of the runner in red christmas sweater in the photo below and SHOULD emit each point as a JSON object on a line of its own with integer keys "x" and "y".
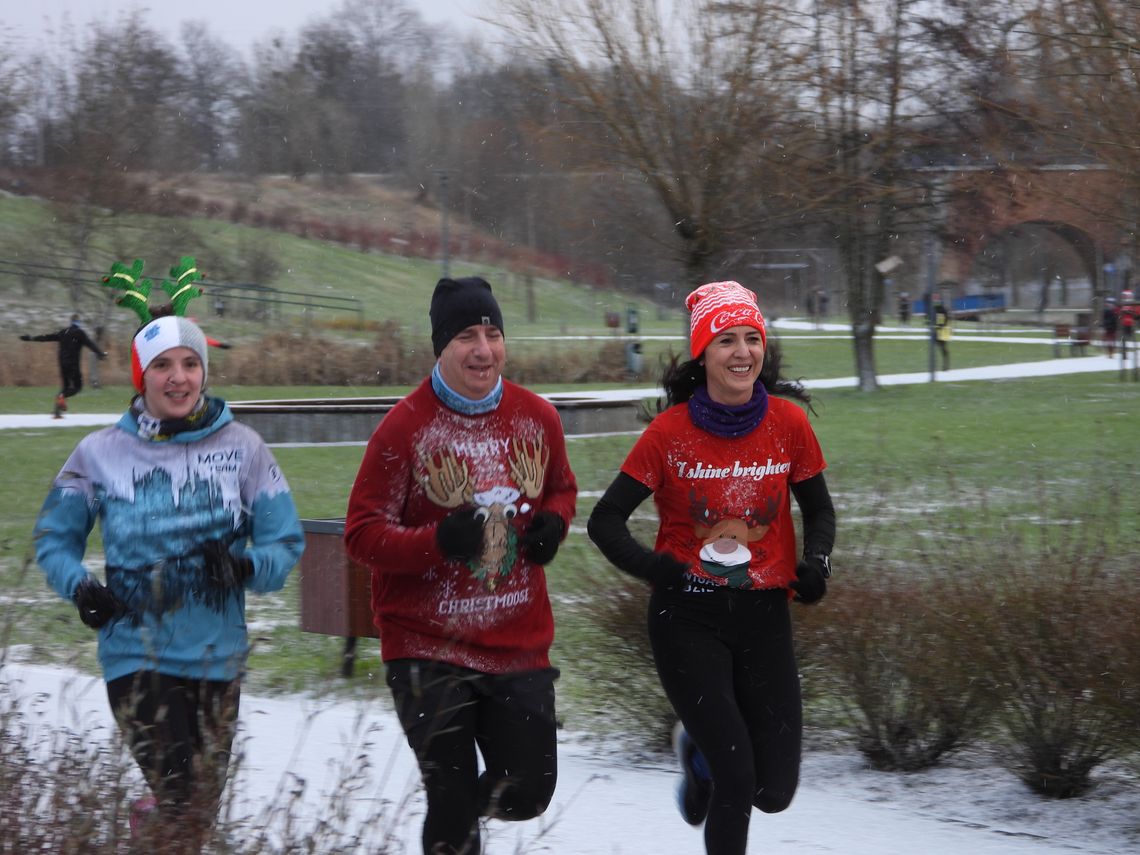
{"x": 464, "y": 494}
{"x": 722, "y": 463}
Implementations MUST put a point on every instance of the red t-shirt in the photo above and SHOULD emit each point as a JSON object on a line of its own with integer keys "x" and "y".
{"x": 491, "y": 614}
{"x": 705, "y": 485}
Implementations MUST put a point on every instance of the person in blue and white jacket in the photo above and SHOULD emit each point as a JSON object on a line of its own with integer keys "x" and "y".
{"x": 194, "y": 512}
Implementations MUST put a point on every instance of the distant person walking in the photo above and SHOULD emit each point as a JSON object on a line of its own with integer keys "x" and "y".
{"x": 942, "y": 330}
{"x": 904, "y": 307}
{"x": 1127, "y": 313}
{"x": 72, "y": 339}
{"x": 1110, "y": 324}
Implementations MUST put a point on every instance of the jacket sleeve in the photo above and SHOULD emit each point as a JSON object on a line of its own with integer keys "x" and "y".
{"x": 374, "y": 532}
{"x": 275, "y": 534}
{"x": 61, "y": 531}
{"x": 88, "y": 342}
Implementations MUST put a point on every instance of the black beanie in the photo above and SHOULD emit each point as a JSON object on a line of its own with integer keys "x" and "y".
{"x": 457, "y": 304}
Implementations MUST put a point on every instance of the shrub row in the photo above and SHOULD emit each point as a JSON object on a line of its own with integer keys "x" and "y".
{"x": 286, "y": 359}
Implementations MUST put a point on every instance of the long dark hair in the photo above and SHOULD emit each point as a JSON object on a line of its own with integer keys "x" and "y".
{"x": 681, "y": 379}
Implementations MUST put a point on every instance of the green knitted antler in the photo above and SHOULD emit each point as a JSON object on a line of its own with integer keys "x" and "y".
{"x": 182, "y": 289}
{"x": 135, "y": 290}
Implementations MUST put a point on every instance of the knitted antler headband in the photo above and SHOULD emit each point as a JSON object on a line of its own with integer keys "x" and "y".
{"x": 136, "y": 289}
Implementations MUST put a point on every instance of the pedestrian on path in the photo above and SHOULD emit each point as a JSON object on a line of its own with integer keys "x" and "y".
{"x": 723, "y": 461}
{"x": 71, "y": 340}
{"x": 943, "y": 329}
{"x": 1110, "y": 324}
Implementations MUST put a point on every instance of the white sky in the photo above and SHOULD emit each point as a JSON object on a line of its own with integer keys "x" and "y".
{"x": 239, "y": 22}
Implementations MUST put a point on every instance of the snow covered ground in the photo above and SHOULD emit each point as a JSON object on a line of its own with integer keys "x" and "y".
{"x": 611, "y": 803}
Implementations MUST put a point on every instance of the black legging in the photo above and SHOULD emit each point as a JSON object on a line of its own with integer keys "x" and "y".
{"x": 447, "y": 711}
{"x": 176, "y": 729}
{"x": 726, "y": 662}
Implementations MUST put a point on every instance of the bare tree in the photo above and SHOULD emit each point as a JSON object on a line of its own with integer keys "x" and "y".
{"x": 676, "y": 95}
{"x": 215, "y": 78}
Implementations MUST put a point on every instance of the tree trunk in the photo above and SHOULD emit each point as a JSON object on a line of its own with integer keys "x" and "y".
{"x": 864, "y": 340}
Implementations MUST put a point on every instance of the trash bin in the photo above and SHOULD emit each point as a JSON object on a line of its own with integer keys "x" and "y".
{"x": 335, "y": 592}
{"x": 633, "y": 359}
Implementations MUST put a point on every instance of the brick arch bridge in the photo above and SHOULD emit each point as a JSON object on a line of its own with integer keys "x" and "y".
{"x": 1079, "y": 204}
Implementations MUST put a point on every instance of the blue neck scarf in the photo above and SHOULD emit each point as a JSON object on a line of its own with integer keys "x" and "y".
{"x": 454, "y": 401}
{"x": 728, "y": 420}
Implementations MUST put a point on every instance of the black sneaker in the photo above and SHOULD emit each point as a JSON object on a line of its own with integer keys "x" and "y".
{"x": 694, "y": 791}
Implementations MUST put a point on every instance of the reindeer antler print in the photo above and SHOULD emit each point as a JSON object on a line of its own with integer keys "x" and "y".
{"x": 528, "y": 465}
{"x": 448, "y": 481}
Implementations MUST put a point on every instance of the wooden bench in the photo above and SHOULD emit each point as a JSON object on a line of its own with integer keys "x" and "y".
{"x": 1070, "y": 338}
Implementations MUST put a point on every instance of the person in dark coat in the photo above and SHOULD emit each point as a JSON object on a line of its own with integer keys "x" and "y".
{"x": 72, "y": 339}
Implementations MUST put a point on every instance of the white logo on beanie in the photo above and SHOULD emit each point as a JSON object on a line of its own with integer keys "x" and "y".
{"x": 161, "y": 334}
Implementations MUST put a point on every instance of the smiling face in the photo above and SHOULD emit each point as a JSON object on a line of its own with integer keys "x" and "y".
{"x": 733, "y": 361}
{"x": 473, "y": 361}
{"x": 172, "y": 383}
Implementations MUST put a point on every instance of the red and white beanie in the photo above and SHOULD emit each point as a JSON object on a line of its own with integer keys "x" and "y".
{"x": 718, "y": 306}
{"x": 158, "y": 337}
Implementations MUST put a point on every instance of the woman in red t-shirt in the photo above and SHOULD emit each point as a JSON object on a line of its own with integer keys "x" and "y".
{"x": 722, "y": 462}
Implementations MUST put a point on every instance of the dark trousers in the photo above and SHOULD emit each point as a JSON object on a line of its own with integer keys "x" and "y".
{"x": 448, "y": 714}
{"x": 72, "y": 380}
{"x": 944, "y": 349}
{"x": 727, "y": 665}
{"x": 180, "y": 733}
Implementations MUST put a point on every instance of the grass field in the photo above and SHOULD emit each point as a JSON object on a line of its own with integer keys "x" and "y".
{"x": 909, "y": 466}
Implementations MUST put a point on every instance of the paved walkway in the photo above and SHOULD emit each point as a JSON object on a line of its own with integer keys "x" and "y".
{"x": 1044, "y": 368}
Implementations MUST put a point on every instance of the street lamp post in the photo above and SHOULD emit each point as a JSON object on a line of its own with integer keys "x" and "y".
{"x": 444, "y": 238}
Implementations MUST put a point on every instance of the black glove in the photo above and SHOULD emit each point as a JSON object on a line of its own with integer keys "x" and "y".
{"x": 811, "y": 578}
{"x": 224, "y": 570}
{"x": 460, "y": 535}
{"x": 542, "y": 537}
{"x": 96, "y": 604}
{"x": 25, "y": 338}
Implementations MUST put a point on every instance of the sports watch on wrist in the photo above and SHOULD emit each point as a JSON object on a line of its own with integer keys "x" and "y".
{"x": 823, "y": 559}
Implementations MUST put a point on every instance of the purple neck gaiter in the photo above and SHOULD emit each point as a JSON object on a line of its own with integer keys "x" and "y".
{"x": 728, "y": 420}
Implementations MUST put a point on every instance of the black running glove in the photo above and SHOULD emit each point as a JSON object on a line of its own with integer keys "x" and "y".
{"x": 224, "y": 570}
{"x": 811, "y": 578}
{"x": 95, "y": 602}
{"x": 459, "y": 535}
{"x": 542, "y": 537}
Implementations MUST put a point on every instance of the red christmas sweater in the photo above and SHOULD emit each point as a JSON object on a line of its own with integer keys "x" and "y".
{"x": 491, "y": 614}
{"x": 711, "y": 491}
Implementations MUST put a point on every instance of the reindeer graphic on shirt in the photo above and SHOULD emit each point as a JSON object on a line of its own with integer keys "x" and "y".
{"x": 448, "y": 482}
{"x": 726, "y": 541}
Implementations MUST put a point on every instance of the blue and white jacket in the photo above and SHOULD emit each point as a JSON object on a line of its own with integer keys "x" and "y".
{"x": 157, "y": 501}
